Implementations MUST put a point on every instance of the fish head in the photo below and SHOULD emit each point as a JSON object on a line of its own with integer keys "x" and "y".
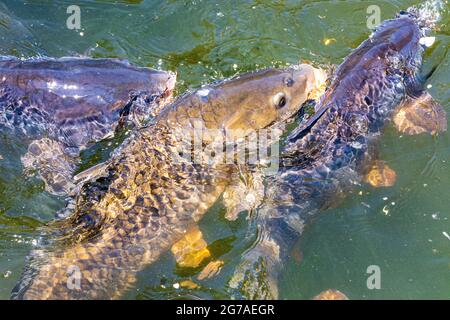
{"x": 408, "y": 35}
{"x": 260, "y": 99}
{"x": 399, "y": 39}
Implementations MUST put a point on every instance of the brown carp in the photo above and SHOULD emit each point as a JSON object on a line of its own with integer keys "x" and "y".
{"x": 326, "y": 156}
{"x": 64, "y": 105}
{"x": 139, "y": 203}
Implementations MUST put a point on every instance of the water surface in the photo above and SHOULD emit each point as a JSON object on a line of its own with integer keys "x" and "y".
{"x": 400, "y": 229}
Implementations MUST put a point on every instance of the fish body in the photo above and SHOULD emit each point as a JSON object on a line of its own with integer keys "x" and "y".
{"x": 62, "y": 106}
{"x": 147, "y": 196}
{"x": 326, "y": 156}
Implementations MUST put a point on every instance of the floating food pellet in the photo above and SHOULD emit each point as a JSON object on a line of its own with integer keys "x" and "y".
{"x": 365, "y": 205}
{"x": 7, "y": 274}
{"x": 446, "y": 235}
{"x": 427, "y": 41}
{"x": 328, "y": 41}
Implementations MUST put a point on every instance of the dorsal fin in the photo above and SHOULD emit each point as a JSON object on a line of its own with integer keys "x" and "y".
{"x": 303, "y": 130}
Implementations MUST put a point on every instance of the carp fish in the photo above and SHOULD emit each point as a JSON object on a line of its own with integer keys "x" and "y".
{"x": 134, "y": 207}
{"x": 328, "y": 154}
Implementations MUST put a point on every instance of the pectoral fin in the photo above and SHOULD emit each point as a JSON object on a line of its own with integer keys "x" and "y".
{"x": 54, "y": 165}
{"x": 421, "y": 115}
{"x": 380, "y": 175}
{"x": 191, "y": 250}
{"x": 244, "y": 193}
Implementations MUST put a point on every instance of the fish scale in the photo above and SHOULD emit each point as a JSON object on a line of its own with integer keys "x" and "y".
{"x": 130, "y": 211}
{"x": 327, "y": 156}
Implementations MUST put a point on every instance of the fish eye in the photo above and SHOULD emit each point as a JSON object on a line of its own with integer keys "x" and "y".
{"x": 279, "y": 100}
{"x": 289, "y": 82}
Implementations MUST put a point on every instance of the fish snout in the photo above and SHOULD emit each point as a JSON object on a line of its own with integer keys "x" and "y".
{"x": 315, "y": 79}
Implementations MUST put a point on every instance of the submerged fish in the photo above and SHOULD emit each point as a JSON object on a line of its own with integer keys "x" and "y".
{"x": 139, "y": 203}
{"x": 326, "y": 156}
{"x": 64, "y": 105}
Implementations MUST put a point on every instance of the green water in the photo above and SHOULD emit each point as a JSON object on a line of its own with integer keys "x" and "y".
{"x": 400, "y": 229}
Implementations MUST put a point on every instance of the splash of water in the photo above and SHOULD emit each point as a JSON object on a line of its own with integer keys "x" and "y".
{"x": 429, "y": 12}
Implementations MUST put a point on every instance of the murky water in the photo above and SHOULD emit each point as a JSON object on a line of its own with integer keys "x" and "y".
{"x": 400, "y": 229}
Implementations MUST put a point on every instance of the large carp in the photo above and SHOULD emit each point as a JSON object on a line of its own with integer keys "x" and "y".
{"x": 64, "y": 105}
{"x": 330, "y": 153}
{"x": 139, "y": 203}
